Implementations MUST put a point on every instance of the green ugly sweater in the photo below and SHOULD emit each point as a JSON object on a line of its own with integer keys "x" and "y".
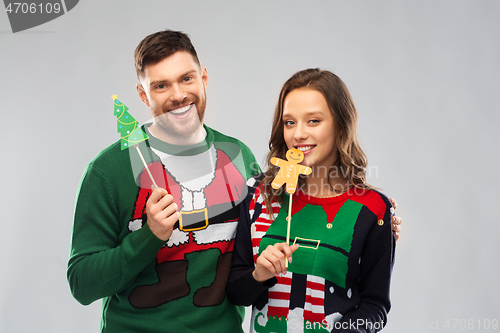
{"x": 148, "y": 285}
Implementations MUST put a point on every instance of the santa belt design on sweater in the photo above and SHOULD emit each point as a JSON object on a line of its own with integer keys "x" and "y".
{"x": 309, "y": 243}
{"x": 198, "y": 219}
{"x": 190, "y": 221}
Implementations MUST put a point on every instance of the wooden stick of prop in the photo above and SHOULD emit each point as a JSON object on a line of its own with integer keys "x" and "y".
{"x": 146, "y": 166}
{"x": 289, "y": 219}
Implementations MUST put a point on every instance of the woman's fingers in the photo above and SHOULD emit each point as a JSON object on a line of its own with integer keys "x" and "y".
{"x": 272, "y": 261}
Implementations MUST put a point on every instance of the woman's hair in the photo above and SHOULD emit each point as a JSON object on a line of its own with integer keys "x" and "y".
{"x": 352, "y": 161}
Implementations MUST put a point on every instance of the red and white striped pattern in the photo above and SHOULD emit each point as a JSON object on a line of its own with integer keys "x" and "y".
{"x": 279, "y": 298}
{"x": 263, "y": 222}
{"x": 314, "y": 307}
{"x": 279, "y": 294}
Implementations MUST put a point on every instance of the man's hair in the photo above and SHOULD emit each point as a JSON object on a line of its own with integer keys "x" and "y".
{"x": 156, "y": 47}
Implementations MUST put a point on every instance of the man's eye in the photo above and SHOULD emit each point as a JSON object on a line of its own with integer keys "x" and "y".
{"x": 161, "y": 86}
{"x": 187, "y": 79}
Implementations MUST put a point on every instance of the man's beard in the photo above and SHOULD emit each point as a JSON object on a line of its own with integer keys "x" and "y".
{"x": 180, "y": 128}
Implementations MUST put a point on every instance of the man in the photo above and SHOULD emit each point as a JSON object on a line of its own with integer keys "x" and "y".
{"x": 160, "y": 258}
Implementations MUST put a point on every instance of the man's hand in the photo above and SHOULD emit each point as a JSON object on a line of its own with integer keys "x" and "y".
{"x": 162, "y": 213}
{"x": 271, "y": 261}
{"x": 396, "y": 220}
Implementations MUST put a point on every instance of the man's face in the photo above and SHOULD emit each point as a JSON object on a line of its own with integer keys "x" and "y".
{"x": 174, "y": 89}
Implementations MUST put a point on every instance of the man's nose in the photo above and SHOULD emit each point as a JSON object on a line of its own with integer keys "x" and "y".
{"x": 176, "y": 93}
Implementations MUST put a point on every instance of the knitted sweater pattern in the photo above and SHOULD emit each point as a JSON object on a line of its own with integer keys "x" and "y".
{"x": 149, "y": 285}
{"x": 339, "y": 274}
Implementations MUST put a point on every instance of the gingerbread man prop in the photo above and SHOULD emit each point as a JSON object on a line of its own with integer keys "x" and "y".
{"x": 289, "y": 174}
{"x": 289, "y": 170}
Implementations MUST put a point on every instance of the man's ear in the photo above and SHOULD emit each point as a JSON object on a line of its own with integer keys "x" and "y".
{"x": 142, "y": 94}
{"x": 204, "y": 76}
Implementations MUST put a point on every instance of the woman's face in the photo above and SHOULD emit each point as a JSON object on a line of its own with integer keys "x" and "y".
{"x": 309, "y": 126}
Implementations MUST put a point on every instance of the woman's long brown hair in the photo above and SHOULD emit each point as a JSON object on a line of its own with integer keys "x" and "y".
{"x": 351, "y": 160}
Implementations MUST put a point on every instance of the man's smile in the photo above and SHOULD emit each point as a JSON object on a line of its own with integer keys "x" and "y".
{"x": 181, "y": 111}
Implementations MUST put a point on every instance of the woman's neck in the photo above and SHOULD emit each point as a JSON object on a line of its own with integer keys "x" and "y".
{"x": 319, "y": 184}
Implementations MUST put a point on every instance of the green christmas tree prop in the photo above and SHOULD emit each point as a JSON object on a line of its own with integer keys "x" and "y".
{"x": 130, "y": 132}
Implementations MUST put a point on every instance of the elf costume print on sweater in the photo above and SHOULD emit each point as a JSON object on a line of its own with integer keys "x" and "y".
{"x": 340, "y": 272}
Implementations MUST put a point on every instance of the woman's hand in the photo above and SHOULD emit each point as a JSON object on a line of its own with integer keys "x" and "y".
{"x": 396, "y": 220}
{"x": 271, "y": 261}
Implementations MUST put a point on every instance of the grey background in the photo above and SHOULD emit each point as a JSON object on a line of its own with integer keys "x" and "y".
{"x": 424, "y": 75}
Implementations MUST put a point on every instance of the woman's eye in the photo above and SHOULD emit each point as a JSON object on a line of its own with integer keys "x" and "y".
{"x": 289, "y": 123}
{"x": 314, "y": 121}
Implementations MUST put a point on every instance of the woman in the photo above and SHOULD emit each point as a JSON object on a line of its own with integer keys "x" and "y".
{"x": 343, "y": 246}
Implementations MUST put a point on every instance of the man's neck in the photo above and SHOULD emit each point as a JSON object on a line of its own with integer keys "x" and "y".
{"x": 193, "y": 138}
